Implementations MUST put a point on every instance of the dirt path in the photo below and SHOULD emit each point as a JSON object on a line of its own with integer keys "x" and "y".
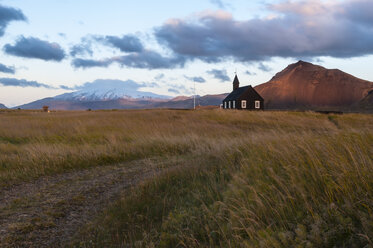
{"x": 50, "y": 210}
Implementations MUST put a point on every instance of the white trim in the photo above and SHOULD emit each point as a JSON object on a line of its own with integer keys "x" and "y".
{"x": 257, "y": 104}
{"x": 234, "y": 104}
{"x": 229, "y": 104}
{"x": 225, "y": 105}
{"x": 243, "y": 104}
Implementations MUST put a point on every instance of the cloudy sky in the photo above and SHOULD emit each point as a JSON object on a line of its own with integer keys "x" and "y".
{"x": 48, "y": 47}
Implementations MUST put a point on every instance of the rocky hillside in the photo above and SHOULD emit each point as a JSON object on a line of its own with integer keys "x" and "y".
{"x": 304, "y": 85}
{"x": 366, "y": 104}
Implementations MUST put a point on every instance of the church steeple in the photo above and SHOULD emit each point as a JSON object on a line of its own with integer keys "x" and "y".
{"x": 236, "y": 83}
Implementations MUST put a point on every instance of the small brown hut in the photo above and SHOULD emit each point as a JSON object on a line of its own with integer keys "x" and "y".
{"x": 46, "y": 108}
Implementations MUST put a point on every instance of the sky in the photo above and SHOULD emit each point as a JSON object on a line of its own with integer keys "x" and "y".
{"x": 50, "y": 47}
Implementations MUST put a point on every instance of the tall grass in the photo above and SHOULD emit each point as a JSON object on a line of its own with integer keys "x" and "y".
{"x": 244, "y": 179}
{"x": 34, "y": 144}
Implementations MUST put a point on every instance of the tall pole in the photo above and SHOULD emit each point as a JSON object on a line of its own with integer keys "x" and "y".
{"x": 194, "y": 98}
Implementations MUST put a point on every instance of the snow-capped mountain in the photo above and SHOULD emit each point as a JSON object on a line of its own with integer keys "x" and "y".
{"x": 104, "y": 90}
{"x": 117, "y": 94}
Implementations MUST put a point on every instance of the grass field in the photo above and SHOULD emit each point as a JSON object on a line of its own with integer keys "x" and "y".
{"x": 227, "y": 178}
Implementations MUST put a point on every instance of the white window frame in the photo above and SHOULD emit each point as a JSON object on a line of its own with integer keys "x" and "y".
{"x": 243, "y": 104}
{"x": 257, "y": 104}
{"x": 229, "y": 104}
{"x": 225, "y": 105}
{"x": 234, "y": 104}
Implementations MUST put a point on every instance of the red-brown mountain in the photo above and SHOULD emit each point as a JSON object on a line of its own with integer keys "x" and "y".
{"x": 304, "y": 85}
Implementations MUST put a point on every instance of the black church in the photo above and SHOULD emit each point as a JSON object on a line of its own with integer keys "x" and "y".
{"x": 243, "y": 98}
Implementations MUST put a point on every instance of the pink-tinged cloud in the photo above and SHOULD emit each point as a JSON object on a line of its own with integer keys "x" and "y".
{"x": 309, "y": 28}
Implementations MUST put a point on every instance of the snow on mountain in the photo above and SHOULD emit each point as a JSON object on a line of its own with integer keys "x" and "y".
{"x": 105, "y": 89}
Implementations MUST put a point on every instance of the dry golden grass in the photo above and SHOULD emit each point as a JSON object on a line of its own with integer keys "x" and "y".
{"x": 249, "y": 179}
{"x": 36, "y": 143}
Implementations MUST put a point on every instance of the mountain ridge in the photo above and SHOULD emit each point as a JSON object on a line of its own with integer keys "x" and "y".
{"x": 109, "y": 89}
{"x": 305, "y": 85}
{"x": 302, "y": 86}
{"x": 182, "y": 103}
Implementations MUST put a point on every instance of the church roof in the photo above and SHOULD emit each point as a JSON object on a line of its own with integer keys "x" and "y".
{"x": 234, "y": 95}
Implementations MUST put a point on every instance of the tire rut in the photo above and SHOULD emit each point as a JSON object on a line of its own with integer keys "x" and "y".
{"x": 49, "y": 211}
